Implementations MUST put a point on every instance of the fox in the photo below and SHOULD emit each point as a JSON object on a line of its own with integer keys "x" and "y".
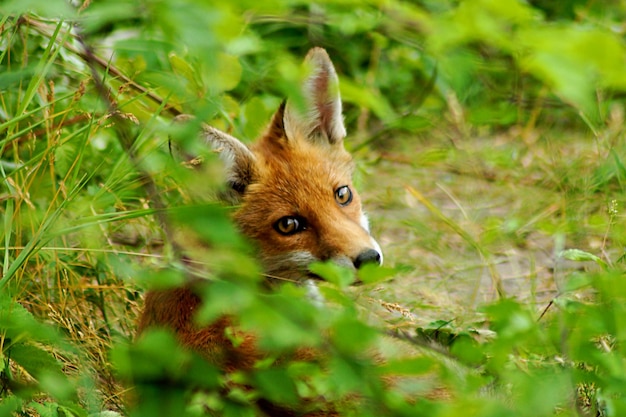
{"x": 295, "y": 199}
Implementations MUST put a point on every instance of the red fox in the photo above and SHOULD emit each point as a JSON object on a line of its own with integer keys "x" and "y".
{"x": 295, "y": 198}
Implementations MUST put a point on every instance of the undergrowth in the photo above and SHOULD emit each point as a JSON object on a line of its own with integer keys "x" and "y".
{"x": 496, "y": 188}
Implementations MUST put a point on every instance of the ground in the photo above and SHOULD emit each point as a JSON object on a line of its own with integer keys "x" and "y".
{"x": 500, "y": 215}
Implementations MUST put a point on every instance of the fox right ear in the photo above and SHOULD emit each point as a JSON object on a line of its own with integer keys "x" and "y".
{"x": 239, "y": 161}
{"x": 321, "y": 119}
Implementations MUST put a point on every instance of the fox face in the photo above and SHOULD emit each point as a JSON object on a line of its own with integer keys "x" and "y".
{"x": 294, "y": 185}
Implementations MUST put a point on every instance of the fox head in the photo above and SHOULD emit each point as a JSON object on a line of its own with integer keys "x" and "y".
{"x": 293, "y": 186}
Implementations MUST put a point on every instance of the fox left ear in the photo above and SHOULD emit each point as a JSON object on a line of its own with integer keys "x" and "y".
{"x": 321, "y": 118}
{"x": 239, "y": 161}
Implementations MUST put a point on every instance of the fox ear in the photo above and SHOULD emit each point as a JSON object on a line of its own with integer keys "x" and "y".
{"x": 238, "y": 159}
{"x": 321, "y": 118}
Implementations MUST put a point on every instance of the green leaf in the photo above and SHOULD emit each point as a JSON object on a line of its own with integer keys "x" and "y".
{"x": 582, "y": 256}
{"x": 276, "y": 385}
{"x": 352, "y": 336}
{"x": 212, "y": 222}
{"x": 467, "y": 349}
{"x": 10, "y": 78}
{"x": 224, "y": 297}
{"x": 510, "y": 319}
{"x": 576, "y": 281}
{"x": 333, "y": 273}
{"x": 35, "y": 360}
{"x": 46, "y": 409}
{"x": 376, "y": 102}
{"x": 225, "y": 75}
{"x": 372, "y": 273}
{"x": 346, "y": 375}
{"x": 412, "y": 366}
{"x": 17, "y": 323}
{"x": 10, "y": 405}
{"x": 101, "y": 14}
{"x": 162, "y": 279}
{"x": 156, "y": 355}
{"x": 574, "y": 59}
{"x": 441, "y": 334}
{"x": 278, "y": 329}
{"x": 256, "y": 116}
{"x": 187, "y": 71}
{"x": 52, "y": 9}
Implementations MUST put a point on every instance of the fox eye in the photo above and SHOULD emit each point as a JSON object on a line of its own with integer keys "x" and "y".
{"x": 289, "y": 225}
{"x": 343, "y": 195}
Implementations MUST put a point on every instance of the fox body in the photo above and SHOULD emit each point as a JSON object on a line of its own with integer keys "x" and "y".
{"x": 296, "y": 200}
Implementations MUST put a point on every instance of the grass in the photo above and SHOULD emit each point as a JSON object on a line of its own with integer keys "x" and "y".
{"x": 491, "y": 211}
{"x": 464, "y": 220}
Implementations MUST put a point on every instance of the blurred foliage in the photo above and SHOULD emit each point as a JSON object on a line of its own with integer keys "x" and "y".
{"x": 84, "y": 189}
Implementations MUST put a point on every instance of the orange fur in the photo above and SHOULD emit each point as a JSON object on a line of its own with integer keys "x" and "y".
{"x": 297, "y": 170}
{"x": 299, "y": 178}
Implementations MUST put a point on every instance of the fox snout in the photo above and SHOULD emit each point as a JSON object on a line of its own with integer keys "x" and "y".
{"x": 368, "y": 256}
{"x": 363, "y": 256}
{"x": 353, "y": 245}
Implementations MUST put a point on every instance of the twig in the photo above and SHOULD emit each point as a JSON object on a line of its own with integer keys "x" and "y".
{"x": 39, "y": 132}
{"x": 545, "y": 310}
{"x": 93, "y": 60}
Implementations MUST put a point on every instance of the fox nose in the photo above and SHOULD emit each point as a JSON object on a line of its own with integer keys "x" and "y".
{"x": 367, "y": 256}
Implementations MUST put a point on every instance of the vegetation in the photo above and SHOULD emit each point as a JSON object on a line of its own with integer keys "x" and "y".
{"x": 491, "y": 145}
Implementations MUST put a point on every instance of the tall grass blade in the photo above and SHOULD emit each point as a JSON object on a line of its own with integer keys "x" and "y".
{"x": 485, "y": 257}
